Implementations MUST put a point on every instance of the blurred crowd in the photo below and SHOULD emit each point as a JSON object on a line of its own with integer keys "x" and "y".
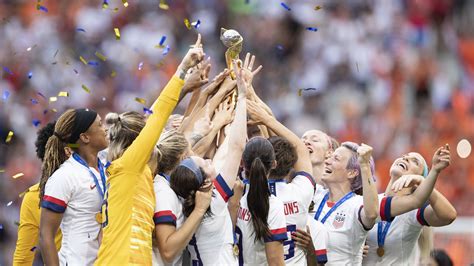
{"x": 396, "y": 74}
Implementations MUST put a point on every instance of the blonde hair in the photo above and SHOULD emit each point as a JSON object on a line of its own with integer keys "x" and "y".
{"x": 123, "y": 130}
{"x": 55, "y": 154}
{"x": 171, "y": 147}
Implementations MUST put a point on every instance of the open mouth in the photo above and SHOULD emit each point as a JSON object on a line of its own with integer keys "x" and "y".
{"x": 310, "y": 149}
{"x": 403, "y": 165}
{"x": 327, "y": 170}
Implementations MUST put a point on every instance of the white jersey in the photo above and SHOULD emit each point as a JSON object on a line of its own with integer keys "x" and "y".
{"x": 401, "y": 239}
{"x": 72, "y": 190}
{"x": 213, "y": 241}
{"x": 168, "y": 210}
{"x": 296, "y": 197}
{"x": 320, "y": 236}
{"x": 347, "y": 234}
{"x": 253, "y": 252}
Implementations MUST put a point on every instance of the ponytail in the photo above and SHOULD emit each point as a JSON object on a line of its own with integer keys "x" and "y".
{"x": 258, "y": 199}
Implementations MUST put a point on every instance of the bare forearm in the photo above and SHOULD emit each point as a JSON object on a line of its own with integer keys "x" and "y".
{"x": 238, "y": 130}
{"x": 192, "y": 102}
{"x": 233, "y": 207}
{"x": 443, "y": 212}
{"x": 201, "y": 147}
{"x": 370, "y": 196}
{"x": 425, "y": 189}
{"x": 48, "y": 249}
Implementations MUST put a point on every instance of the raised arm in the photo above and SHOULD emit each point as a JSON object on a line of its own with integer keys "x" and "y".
{"x": 369, "y": 191}
{"x": 440, "y": 212}
{"x": 195, "y": 79}
{"x": 403, "y": 204}
{"x": 139, "y": 152}
{"x": 257, "y": 113}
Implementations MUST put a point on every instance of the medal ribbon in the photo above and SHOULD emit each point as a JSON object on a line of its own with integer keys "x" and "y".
{"x": 338, "y": 203}
{"x": 101, "y": 191}
{"x": 382, "y": 232}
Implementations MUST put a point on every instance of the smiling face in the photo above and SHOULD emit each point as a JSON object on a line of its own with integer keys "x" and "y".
{"x": 317, "y": 143}
{"x": 411, "y": 163}
{"x": 96, "y": 135}
{"x": 335, "y": 167}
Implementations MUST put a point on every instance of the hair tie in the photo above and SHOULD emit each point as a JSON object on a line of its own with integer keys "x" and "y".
{"x": 58, "y": 136}
{"x": 191, "y": 165}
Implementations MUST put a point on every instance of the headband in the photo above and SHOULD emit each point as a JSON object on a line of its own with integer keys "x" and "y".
{"x": 425, "y": 169}
{"x": 83, "y": 120}
{"x": 191, "y": 165}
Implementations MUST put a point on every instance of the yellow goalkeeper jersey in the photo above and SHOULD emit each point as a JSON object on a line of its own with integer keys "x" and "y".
{"x": 127, "y": 212}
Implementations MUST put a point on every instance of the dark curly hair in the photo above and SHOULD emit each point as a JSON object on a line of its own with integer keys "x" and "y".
{"x": 42, "y": 138}
{"x": 285, "y": 155}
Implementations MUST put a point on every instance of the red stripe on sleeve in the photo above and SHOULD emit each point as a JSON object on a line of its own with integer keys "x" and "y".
{"x": 55, "y": 201}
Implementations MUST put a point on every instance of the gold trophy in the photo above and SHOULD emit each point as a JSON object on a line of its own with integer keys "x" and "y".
{"x": 233, "y": 41}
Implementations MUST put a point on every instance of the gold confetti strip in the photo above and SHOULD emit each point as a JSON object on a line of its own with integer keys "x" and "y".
{"x": 125, "y": 3}
{"x": 163, "y": 5}
{"x": 317, "y": 8}
{"x": 100, "y": 56}
{"x": 83, "y": 60}
{"x": 9, "y": 137}
{"x": 140, "y": 100}
{"x": 116, "y": 10}
{"x": 2, "y": 170}
{"x": 113, "y": 74}
{"x": 105, "y": 6}
{"x": 54, "y": 110}
{"x": 186, "y": 22}
{"x": 73, "y": 145}
{"x": 53, "y": 99}
{"x": 18, "y": 175}
{"x": 117, "y": 33}
{"x": 300, "y": 91}
{"x": 84, "y": 87}
{"x": 63, "y": 94}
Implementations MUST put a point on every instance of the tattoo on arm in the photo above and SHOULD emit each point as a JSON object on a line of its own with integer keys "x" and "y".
{"x": 195, "y": 138}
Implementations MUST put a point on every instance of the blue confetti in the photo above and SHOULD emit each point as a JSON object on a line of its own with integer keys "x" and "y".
{"x": 40, "y": 94}
{"x": 6, "y": 69}
{"x": 140, "y": 66}
{"x": 312, "y": 29}
{"x": 33, "y": 249}
{"x": 147, "y": 111}
{"x": 1, "y": 226}
{"x": 166, "y": 50}
{"x": 81, "y": 29}
{"x": 196, "y": 24}
{"x": 285, "y": 6}
{"x": 280, "y": 47}
{"x": 42, "y": 8}
{"x": 77, "y": 73}
{"x": 34, "y": 101}
{"x": 5, "y": 96}
{"x": 30, "y": 74}
{"x": 163, "y": 39}
{"x": 45, "y": 111}
{"x": 36, "y": 122}
{"x": 93, "y": 63}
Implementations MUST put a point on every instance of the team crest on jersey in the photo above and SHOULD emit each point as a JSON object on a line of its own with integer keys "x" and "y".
{"x": 339, "y": 220}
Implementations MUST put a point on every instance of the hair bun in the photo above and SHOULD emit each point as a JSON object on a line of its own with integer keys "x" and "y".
{"x": 112, "y": 119}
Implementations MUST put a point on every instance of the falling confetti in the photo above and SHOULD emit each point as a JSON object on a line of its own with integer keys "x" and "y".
{"x": 464, "y": 148}
{"x": 36, "y": 122}
{"x": 84, "y": 87}
{"x": 300, "y": 91}
{"x": 317, "y": 8}
{"x": 196, "y": 24}
{"x": 312, "y": 29}
{"x": 117, "y": 33}
{"x": 40, "y": 94}
{"x": 6, "y": 69}
{"x": 53, "y": 99}
{"x": 1, "y": 226}
{"x": 140, "y": 66}
{"x": 9, "y": 136}
{"x": 34, "y": 101}
{"x": 147, "y": 111}
{"x": 125, "y": 3}
{"x": 101, "y": 56}
{"x": 83, "y": 60}
{"x": 105, "y": 4}
{"x": 75, "y": 71}
{"x": 56, "y": 53}
{"x": 166, "y": 50}
{"x": 18, "y": 175}
{"x": 140, "y": 100}
{"x": 186, "y": 22}
{"x": 30, "y": 74}
{"x": 2, "y": 170}
{"x": 42, "y": 8}
{"x": 163, "y": 5}
{"x": 5, "y": 95}
{"x": 285, "y": 6}
{"x": 93, "y": 63}
{"x": 162, "y": 41}
{"x": 81, "y": 29}
{"x": 31, "y": 47}
{"x": 113, "y": 74}
{"x": 63, "y": 94}
{"x": 33, "y": 249}
{"x": 9, "y": 203}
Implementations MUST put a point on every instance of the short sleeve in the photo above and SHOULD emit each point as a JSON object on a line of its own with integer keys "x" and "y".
{"x": 276, "y": 221}
{"x": 166, "y": 208}
{"x": 319, "y": 236}
{"x": 417, "y": 217}
{"x": 58, "y": 191}
{"x": 304, "y": 183}
{"x": 385, "y": 209}
{"x": 225, "y": 192}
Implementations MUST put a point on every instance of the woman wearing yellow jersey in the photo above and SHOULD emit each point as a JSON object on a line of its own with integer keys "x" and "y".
{"x": 127, "y": 212}
{"x": 28, "y": 230}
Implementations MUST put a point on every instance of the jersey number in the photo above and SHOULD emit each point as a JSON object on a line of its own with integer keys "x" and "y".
{"x": 289, "y": 244}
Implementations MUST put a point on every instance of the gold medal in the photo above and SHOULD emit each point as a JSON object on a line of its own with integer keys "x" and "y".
{"x": 98, "y": 217}
{"x": 236, "y": 250}
{"x": 380, "y": 251}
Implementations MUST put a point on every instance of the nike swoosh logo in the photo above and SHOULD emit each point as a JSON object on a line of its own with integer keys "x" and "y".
{"x": 92, "y": 186}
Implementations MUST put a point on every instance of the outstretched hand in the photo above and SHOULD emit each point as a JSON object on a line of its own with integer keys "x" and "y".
{"x": 194, "y": 55}
{"x": 197, "y": 76}
{"x": 365, "y": 152}
{"x": 441, "y": 158}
